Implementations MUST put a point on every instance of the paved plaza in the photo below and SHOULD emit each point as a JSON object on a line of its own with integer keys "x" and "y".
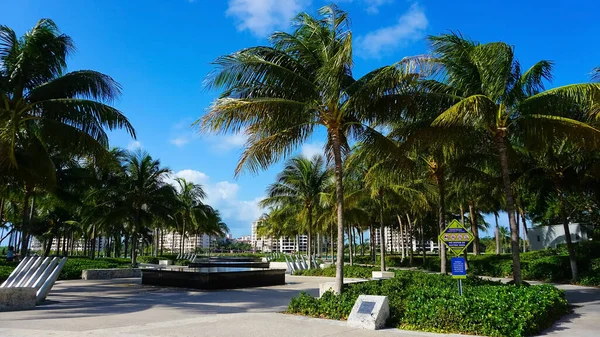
{"x": 125, "y": 308}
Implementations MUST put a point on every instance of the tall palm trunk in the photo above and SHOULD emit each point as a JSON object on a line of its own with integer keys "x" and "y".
{"x": 474, "y": 228}
{"x": 510, "y": 206}
{"x": 410, "y": 240}
{"x": 525, "y": 239}
{"x": 423, "y": 242}
{"x": 48, "y": 246}
{"x": 462, "y": 221}
{"x": 498, "y": 242}
{"x": 372, "y": 243}
{"x": 309, "y": 248}
{"x": 318, "y": 252}
{"x": 401, "y": 237}
{"x": 350, "y": 244}
{"x": 134, "y": 240}
{"x": 441, "y": 218}
{"x": 362, "y": 243}
{"x": 26, "y": 221}
{"x": 381, "y": 230}
{"x": 339, "y": 191}
{"x": 331, "y": 243}
{"x": 182, "y": 248}
{"x": 570, "y": 248}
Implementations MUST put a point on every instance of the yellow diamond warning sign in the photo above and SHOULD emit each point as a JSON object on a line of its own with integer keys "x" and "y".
{"x": 456, "y": 237}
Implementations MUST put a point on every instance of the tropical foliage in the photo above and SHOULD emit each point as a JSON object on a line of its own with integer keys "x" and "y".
{"x": 60, "y": 181}
{"x": 464, "y": 132}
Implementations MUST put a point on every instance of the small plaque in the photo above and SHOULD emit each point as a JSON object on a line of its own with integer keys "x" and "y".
{"x": 369, "y": 312}
{"x": 366, "y": 307}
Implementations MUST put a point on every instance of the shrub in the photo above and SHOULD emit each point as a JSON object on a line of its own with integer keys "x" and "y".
{"x": 74, "y": 265}
{"x": 430, "y": 302}
{"x": 349, "y": 271}
{"x": 148, "y": 259}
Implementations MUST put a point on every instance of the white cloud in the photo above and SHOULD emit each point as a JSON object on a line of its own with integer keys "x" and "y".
{"x": 223, "y": 195}
{"x": 312, "y": 149}
{"x": 410, "y": 27}
{"x": 261, "y": 17}
{"x": 232, "y": 141}
{"x": 180, "y": 141}
{"x": 371, "y": 6}
{"x": 134, "y": 145}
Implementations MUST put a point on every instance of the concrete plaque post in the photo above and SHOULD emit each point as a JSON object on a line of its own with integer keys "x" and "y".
{"x": 369, "y": 312}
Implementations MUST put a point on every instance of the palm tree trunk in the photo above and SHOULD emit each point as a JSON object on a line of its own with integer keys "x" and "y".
{"x": 423, "y": 243}
{"x": 401, "y": 237}
{"x": 339, "y": 191}
{"x": 308, "y": 241}
{"x": 441, "y": 218}
{"x": 510, "y": 206}
{"x": 362, "y": 243}
{"x": 381, "y": 230}
{"x": 498, "y": 242}
{"x": 25, "y": 224}
{"x": 462, "y": 221}
{"x": 331, "y": 243}
{"x": 410, "y": 240}
{"x": 372, "y": 243}
{"x": 474, "y": 229}
{"x": 570, "y": 248}
{"x": 64, "y": 245}
{"x": 48, "y": 246}
{"x": 2, "y": 214}
{"x": 350, "y": 244}
{"x": 162, "y": 241}
{"x": 318, "y": 252}
{"x": 525, "y": 239}
{"x": 182, "y": 249}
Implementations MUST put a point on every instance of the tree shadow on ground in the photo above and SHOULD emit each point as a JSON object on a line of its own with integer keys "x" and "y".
{"x": 122, "y": 298}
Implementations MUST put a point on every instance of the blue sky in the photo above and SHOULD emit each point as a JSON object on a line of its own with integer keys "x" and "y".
{"x": 160, "y": 51}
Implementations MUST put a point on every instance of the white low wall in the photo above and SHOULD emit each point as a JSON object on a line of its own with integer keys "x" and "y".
{"x": 279, "y": 265}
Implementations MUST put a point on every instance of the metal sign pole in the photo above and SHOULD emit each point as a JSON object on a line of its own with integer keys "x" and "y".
{"x": 460, "y": 287}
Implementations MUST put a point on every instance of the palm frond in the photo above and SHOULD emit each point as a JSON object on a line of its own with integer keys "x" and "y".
{"x": 476, "y": 110}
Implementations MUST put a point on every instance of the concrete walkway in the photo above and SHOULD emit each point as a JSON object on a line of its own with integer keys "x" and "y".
{"x": 125, "y": 308}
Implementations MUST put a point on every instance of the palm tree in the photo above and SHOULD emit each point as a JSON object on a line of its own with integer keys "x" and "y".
{"x": 554, "y": 175}
{"x": 497, "y": 97}
{"x": 191, "y": 210}
{"x": 146, "y": 194}
{"x": 278, "y": 96}
{"x": 301, "y": 183}
{"x": 45, "y": 109}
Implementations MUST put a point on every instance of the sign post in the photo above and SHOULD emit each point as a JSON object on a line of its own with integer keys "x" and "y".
{"x": 457, "y": 238}
{"x": 459, "y": 271}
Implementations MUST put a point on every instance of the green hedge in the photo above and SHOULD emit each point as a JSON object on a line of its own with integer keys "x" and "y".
{"x": 73, "y": 267}
{"x": 549, "y": 265}
{"x": 349, "y": 271}
{"x": 430, "y": 302}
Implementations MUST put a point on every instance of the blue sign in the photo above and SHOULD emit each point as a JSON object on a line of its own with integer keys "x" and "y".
{"x": 459, "y": 267}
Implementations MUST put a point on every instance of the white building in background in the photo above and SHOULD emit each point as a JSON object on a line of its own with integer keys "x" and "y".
{"x": 245, "y": 238}
{"x": 393, "y": 240}
{"x": 542, "y": 237}
{"x": 172, "y": 241}
{"x": 282, "y": 244}
{"x": 78, "y": 245}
